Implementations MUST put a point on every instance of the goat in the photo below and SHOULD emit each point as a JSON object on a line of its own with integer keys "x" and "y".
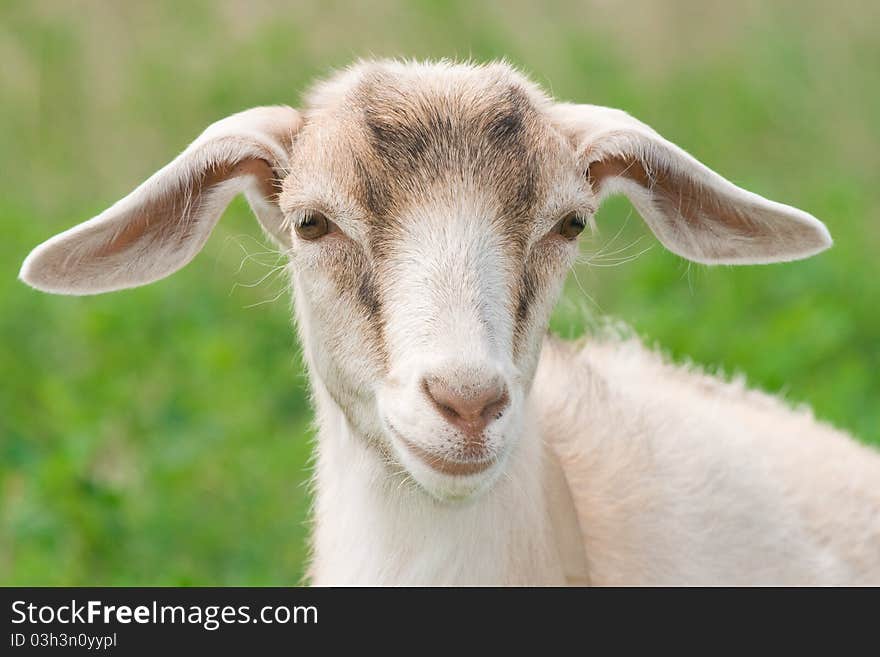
{"x": 430, "y": 212}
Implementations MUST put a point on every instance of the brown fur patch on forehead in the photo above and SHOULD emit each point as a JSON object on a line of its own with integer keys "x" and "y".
{"x": 419, "y": 136}
{"x": 417, "y": 125}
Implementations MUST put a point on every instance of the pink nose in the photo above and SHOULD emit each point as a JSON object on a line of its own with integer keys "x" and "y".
{"x": 469, "y": 407}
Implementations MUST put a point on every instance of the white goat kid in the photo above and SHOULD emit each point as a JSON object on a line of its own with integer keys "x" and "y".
{"x": 430, "y": 214}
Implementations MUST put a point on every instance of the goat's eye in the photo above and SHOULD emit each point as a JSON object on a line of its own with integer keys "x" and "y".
{"x": 571, "y": 226}
{"x": 313, "y": 225}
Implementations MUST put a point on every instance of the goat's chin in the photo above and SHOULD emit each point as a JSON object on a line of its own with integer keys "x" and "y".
{"x": 462, "y": 483}
{"x": 453, "y": 488}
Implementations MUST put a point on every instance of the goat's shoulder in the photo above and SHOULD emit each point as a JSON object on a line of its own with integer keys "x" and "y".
{"x": 615, "y": 374}
{"x": 651, "y": 447}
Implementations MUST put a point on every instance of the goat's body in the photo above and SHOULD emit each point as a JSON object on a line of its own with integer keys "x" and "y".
{"x": 680, "y": 478}
{"x": 668, "y": 476}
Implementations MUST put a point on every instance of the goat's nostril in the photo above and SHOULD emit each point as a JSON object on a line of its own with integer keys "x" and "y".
{"x": 469, "y": 407}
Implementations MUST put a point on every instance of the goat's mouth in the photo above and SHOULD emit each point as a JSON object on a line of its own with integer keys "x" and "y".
{"x": 445, "y": 465}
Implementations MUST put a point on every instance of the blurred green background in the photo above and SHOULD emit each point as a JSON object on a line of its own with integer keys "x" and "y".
{"x": 162, "y": 435}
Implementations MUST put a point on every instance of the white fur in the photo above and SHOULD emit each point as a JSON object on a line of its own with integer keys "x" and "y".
{"x": 630, "y": 471}
{"x": 680, "y": 477}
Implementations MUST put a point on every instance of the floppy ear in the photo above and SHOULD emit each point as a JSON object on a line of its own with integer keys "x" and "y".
{"x": 164, "y": 223}
{"x": 692, "y": 210}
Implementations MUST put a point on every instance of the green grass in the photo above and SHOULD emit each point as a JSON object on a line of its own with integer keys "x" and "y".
{"x": 161, "y": 435}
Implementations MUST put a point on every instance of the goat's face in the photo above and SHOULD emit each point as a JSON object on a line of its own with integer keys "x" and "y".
{"x": 430, "y": 212}
{"x": 434, "y": 218}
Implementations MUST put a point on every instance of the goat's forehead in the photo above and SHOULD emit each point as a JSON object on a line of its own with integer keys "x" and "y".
{"x": 386, "y": 140}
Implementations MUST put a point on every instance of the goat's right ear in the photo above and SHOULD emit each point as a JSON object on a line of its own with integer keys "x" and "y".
{"x": 691, "y": 209}
{"x": 164, "y": 223}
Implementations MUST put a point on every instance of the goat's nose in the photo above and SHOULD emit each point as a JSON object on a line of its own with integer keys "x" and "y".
{"x": 469, "y": 407}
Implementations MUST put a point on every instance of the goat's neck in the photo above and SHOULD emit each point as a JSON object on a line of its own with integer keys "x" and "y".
{"x": 372, "y": 526}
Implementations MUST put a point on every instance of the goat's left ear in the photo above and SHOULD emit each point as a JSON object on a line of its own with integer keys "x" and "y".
{"x": 692, "y": 210}
{"x": 164, "y": 223}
